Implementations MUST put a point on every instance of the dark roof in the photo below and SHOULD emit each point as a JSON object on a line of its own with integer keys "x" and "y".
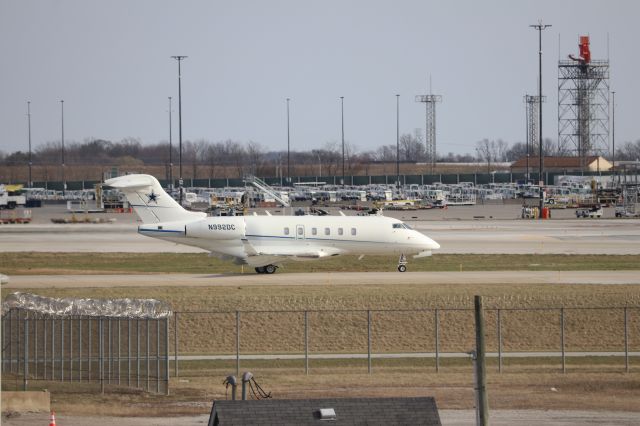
{"x": 349, "y": 411}
{"x": 559, "y": 162}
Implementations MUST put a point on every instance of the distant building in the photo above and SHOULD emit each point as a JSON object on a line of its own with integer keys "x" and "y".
{"x": 347, "y": 411}
{"x": 563, "y": 164}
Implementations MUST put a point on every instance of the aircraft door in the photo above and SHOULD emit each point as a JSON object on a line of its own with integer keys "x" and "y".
{"x": 300, "y": 232}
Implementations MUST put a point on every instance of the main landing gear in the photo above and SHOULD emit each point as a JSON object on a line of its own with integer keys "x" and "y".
{"x": 402, "y": 263}
{"x": 269, "y": 269}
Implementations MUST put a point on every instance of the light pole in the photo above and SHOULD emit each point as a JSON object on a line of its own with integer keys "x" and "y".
{"x": 613, "y": 132}
{"x": 170, "y": 150}
{"x": 64, "y": 180}
{"x": 526, "y": 113}
{"x": 288, "y": 146}
{"x": 180, "y": 182}
{"x": 342, "y": 114}
{"x": 398, "y": 141}
{"x": 29, "y": 123}
{"x": 540, "y": 26}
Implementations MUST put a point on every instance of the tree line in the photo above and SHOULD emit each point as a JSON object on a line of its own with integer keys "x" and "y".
{"x": 251, "y": 157}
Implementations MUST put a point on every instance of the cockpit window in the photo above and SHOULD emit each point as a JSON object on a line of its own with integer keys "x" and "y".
{"x": 401, "y": 226}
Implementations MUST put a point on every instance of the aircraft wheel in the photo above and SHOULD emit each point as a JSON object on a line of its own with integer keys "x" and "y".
{"x": 260, "y": 270}
{"x": 402, "y": 268}
{"x": 270, "y": 269}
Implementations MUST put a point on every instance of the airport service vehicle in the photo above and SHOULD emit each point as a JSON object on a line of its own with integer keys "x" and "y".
{"x": 265, "y": 242}
{"x": 593, "y": 212}
{"x": 11, "y": 196}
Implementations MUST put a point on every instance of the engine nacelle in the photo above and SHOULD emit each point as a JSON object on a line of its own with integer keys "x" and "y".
{"x": 217, "y": 228}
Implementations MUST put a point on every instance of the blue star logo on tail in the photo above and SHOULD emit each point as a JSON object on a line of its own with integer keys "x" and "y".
{"x": 152, "y": 197}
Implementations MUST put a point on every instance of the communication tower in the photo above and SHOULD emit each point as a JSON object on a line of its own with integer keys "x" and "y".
{"x": 533, "y": 124}
{"x": 430, "y": 133}
{"x": 583, "y": 104}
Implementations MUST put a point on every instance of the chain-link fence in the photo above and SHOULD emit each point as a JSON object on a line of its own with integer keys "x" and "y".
{"x": 554, "y": 333}
{"x": 137, "y": 353}
{"x": 93, "y": 351}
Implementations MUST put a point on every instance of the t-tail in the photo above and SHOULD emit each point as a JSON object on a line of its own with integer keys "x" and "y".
{"x": 150, "y": 202}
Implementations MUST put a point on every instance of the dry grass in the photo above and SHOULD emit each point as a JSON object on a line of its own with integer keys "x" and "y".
{"x": 34, "y": 263}
{"x": 338, "y": 321}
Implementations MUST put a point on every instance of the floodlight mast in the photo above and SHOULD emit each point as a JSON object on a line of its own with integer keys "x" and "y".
{"x": 179, "y": 58}
{"x": 539, "y": 27}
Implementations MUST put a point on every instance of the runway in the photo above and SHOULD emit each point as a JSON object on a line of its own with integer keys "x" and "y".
{"x": 464, "y": 236}
{"x": 17, "y": 282}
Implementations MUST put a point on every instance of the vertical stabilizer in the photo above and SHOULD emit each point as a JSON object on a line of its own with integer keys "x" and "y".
{"x": 150, "y": 202}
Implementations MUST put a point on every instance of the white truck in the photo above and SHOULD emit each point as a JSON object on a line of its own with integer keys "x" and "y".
{"x": 11, "y": 197}
{"x": 593, "y": 212}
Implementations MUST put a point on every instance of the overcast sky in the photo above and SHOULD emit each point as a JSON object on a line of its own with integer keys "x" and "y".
{"x": 110, "y": 62}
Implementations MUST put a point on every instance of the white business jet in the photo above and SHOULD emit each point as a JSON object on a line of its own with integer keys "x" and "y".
{"x": 265, "y": 242}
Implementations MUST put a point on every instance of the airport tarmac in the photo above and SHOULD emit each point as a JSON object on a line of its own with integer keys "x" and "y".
{"x": 325, "y": 278}
{"x": 494, "y": 230}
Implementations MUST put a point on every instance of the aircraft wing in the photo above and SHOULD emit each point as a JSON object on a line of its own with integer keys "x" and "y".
{"x": 266, "y": 255}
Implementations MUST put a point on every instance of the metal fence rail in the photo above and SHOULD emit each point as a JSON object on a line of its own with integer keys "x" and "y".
{"x": 412, "y": 333}
{"x": 102, "y": 351}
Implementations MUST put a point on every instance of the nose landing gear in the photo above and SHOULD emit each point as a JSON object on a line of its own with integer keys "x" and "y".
{"x": 402, "y": 263}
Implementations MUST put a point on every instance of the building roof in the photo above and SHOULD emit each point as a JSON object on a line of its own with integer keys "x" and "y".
{"x": 351, "y": 411}
{"x": 556, "y": 162}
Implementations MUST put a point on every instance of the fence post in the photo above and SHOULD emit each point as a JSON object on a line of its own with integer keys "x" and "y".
{"x": 157, "y": 355}
{"x": 564, "y": 368}
{"x": 306, "y": 342}
{"x": 18, "y": 345}
{"x": 626, "y": 341}
{"x": 437, "y": 336}
{"x": 53, "y": 348}
{"x": 499, "y": 341}
{"x": 369, "y": 341}
{"x": 137, "y": 352}
{"x": 80, "y": 349}
{"x": 44, "y": 349}
{"x": 129, "y": 351}
{"x": 62, "y": 349}
{"x": 89, "y": 347}
{"x": 71, "y": 349}
{"x": 238, "y": 343}
{"x": 26, "y": 351}
{"x": 147, "y": 350}
{"x": 109, "y": 349}
{"x": 35, "y": 346}
{"x": 175, "y": 345}
{"x": 101, "y": 354}
{"x": 483, "y": 402}
{"x": 166, "y": 355}
{"x": 119, "y": 344}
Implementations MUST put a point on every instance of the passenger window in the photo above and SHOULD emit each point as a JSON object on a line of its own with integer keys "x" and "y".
{"x": 340, "y": 231}
{"x": 353, "y": 231}
{"x": 286, "y": 231}
{"x": 327, "y": 231}
{"x": 314, "y": 231}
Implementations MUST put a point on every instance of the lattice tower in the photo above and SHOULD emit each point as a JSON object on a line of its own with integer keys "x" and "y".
{"x": 430, "y": 128}
{"x": 533, "y": 123}
{"x": 583, "y": 107}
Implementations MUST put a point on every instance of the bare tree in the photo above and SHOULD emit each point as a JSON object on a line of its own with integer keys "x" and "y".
{"x": 255, "y": 155}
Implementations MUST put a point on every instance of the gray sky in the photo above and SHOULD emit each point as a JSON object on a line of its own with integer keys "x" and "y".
{"x": 110, "y": 62}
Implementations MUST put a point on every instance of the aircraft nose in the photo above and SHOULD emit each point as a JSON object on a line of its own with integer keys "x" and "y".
{"x": 431, "y": 243}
